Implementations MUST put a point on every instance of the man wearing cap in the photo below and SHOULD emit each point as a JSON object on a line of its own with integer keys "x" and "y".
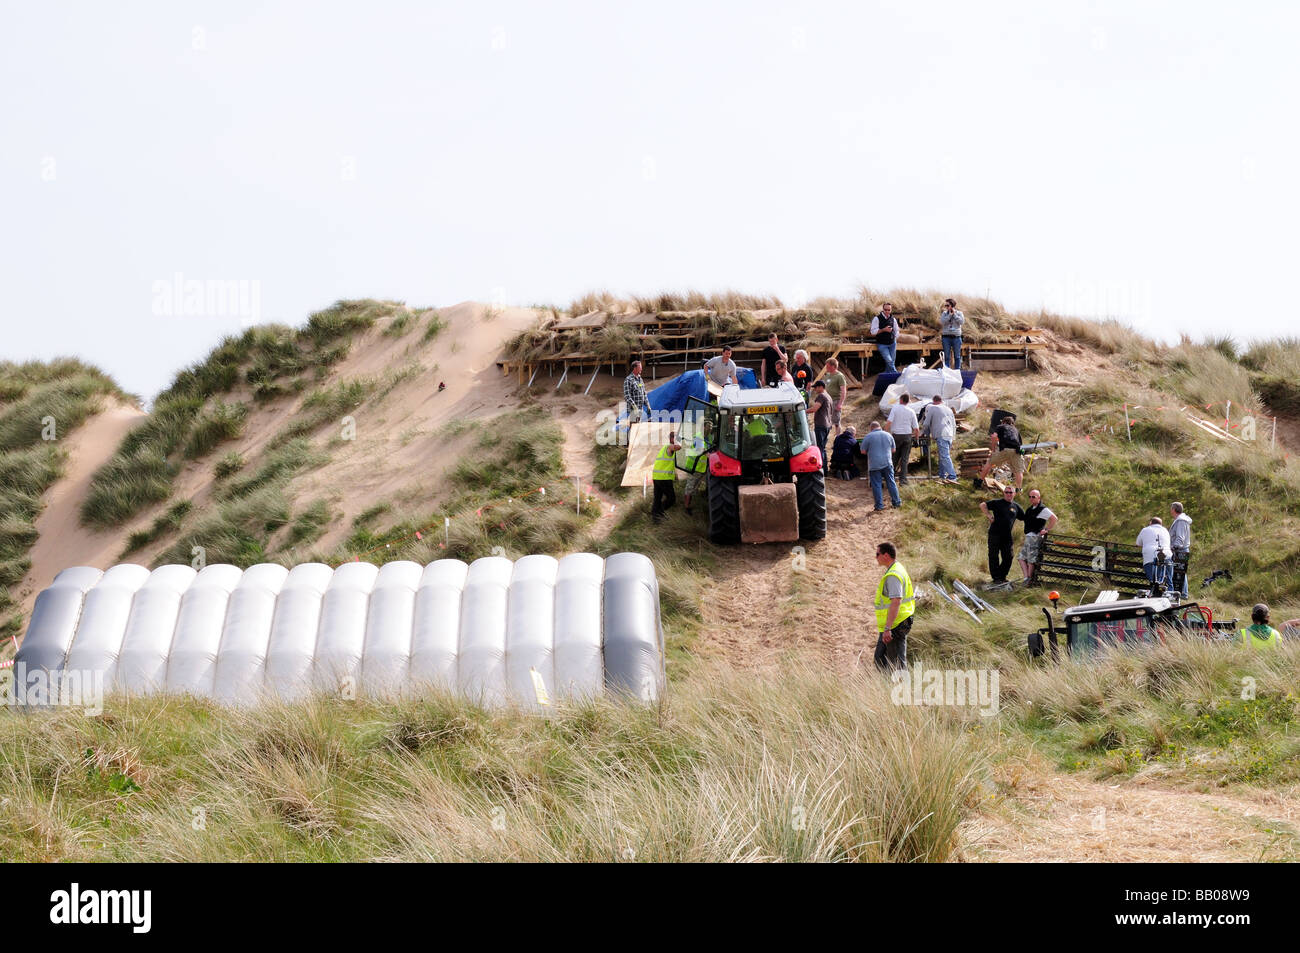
{"x": 1259, "y": 634}
{"x": 821, "y": 410}
{"x": 895, "y": 605}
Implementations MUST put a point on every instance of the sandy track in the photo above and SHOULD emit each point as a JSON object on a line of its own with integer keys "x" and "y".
{"x": 764, "y": 602}
{"x": 62, "y": 540}
{"x": 1047, "y": 816}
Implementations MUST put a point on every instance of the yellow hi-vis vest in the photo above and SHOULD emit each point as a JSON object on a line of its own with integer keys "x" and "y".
{"x": 906, "y": 606}
{"x": 1251, "y": 639}
{"x": 699, "y": 464}
{"x": 665, "y": 465}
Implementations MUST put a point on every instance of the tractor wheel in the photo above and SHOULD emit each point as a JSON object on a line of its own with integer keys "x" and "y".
{"x": 811, "y": 491}
{"x": 724, "y": 510}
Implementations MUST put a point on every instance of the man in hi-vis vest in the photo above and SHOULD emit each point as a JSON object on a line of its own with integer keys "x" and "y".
{"x": 895, "y": 603}
{"x": 663, "y": 475}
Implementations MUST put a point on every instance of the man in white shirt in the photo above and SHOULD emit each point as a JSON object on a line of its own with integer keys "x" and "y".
{"x": 905, "y": 428}
{"x": 722, "y": 370}
{"x": 1156, "y": 553}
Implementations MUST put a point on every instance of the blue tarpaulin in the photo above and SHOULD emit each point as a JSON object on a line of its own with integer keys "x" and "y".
{"x": 672, "y": 395}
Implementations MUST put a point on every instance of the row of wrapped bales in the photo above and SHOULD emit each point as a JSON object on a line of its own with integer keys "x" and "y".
{"x": 497, "y": 632}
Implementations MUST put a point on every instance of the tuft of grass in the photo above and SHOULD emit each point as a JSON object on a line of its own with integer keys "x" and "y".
{"x": 432, "y": 328}
{"x": 310, "y": 523}
{"x": 326, "y": 405}
{"x": 170, "y": 521}
{"x": 228, "y": 465}
{"x": 219, "y": 423}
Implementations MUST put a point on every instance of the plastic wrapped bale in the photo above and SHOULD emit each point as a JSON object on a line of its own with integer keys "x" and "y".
{"x": 769, "y": 513}
{"x": 524, "y": 633}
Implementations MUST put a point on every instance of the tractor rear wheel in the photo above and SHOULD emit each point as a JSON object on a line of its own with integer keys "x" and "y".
{"x": 811, "y": 491}
{"x": 724, "y": 510}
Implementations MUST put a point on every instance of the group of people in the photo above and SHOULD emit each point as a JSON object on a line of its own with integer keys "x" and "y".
{"x": 1163, "y": 548}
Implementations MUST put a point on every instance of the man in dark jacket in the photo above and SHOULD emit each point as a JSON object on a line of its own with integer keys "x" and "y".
{"x": 844, "y": 455}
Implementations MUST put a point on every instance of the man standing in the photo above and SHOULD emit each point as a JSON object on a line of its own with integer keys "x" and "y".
{"x": 722, "y": 370}
{"x": 1004, "y": 444}
{"x": 663, "y": 477}
{"x": 878, "y": 446}
{"x": 1002, "y": 515}
{"x": 942, "y": 426}
{"x": 1156, "y": 552}
{"x": 697, "y": 469}
{"x": 884, "y": 328}
{"x": 950, "y": 325}
{"x": 1039, "y": 521}
{"x": 1180, "y": 543}
{"x": 771, "y": 354}
{"x": 802, "y": 373}
{"x": 895, "y": 605}
{"x": 905, "y": 428}
{"x": 1259, "y": 634}
{"x": 634, "y": 395}
{"x": 821, "y": 411}
{"x": 837, "y": 388}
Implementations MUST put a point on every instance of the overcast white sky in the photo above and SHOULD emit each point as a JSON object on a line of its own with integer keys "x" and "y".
{"x": 1134, "y": 159}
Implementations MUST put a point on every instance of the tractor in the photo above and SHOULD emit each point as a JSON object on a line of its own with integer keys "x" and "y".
{"x": 766, "y": 482}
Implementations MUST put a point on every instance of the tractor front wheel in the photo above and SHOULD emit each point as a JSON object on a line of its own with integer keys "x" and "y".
{"x": 724, "y": 510}
{"x": 811, "y": 491}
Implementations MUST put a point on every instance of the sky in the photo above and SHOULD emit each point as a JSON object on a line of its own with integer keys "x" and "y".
{"x": 173, "y": 172}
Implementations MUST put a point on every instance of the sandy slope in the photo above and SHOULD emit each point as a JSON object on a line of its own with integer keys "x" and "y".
{"x": 63, "y": 541}
{"x": 398, "y": 450}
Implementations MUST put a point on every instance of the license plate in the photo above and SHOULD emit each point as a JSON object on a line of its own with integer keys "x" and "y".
{"x": 775, "y": 460}
{"x": 760, "y": 410}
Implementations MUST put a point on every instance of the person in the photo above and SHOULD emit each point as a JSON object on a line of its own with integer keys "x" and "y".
{"x": 442, "y": 386}
{"x": 663, "y": 475}
{"x": 802, "y": 372}
{"x": 844, "y": 453}
{"x": 697, "y": 468}
{"x": 1180, "y": 543}
{"x": 905, "y": 428}
{"x": 821, "y": 411}
{"x": 1259, "y": 634}
{"x": 837, "y": 388}
{"x": 1154, "y": 540}
{"x": 634, "y": 394}
{"x": 950, "y": 325}
{"x": 1039, "y": 521}
{"x": 771, "y": 354}
{"x": 1002, "y": 515}
{"x": 1004, "y": 442}
{"x": 782, "y": 373}
{"x": 941, "y": 425}
{"x": 722, "y": 370}
{"x": 895, "y": 608}
{"x": 878, "y": 447}
{"x": 884, "y": 328}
